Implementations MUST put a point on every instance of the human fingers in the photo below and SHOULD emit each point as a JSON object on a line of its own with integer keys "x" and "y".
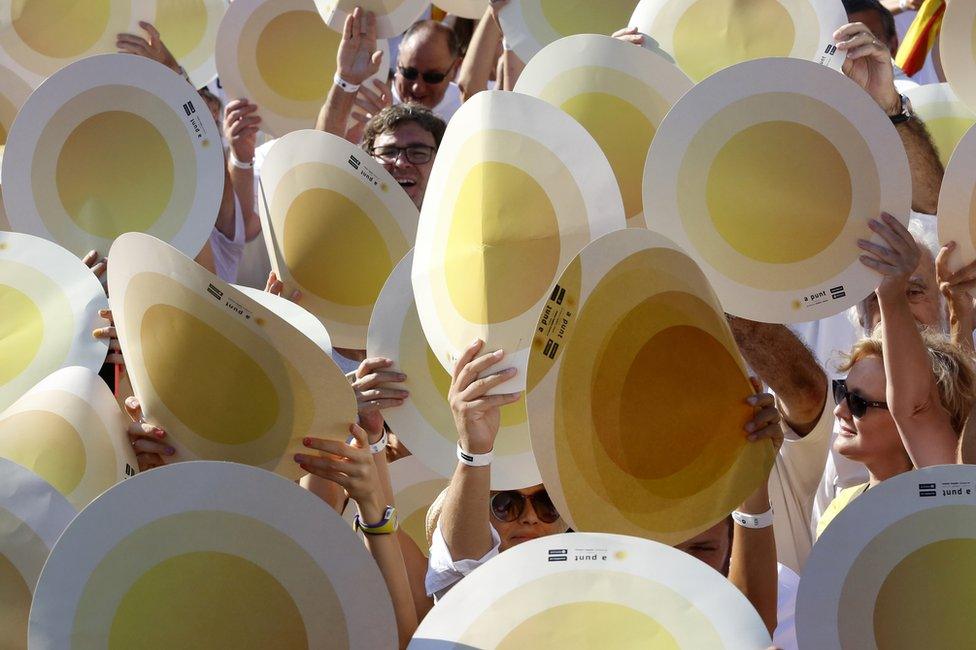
{"x": 942, "y": 260}
{"x": 381, "y": 394}
{"x": 151, "y": 30}
{"x": 472, "y": 369}
{"x": 880, "y": 252}
{"x": 481, "y": 386}
{"x": 244, "y": 123}
{"x": 133, "y": 408}
{"x": 90, "y": 258}
{"x": 369, "y": 27}
{"x": 372, "y": 364}
{"x": 349, "y": 25}
{"x": 100, "y": 267}
{"x": 844, "y": 34}
{"x": 493, "y": 401}
{"x": 132, "y": 41}
{"x": 362, "y": 118}
{"x": 126, "y": 48}
{"x": 103, "y": 333}
{"x": 896, "y": 234}
{"x": 142, "y": 429}
{"x": 374, "y": 379}
{"x": 147, "y": 462}
{"x": 235, "y": 113}
{"x": 360, "y": 439}
{"x": 336, "y": 448}
{"x": 148, "y": 446}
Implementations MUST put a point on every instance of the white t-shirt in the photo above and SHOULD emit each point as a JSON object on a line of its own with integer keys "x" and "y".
{"x": 227, "y": 252}
{"x": 449, "y": 104}
{"x": 784, "y": 637}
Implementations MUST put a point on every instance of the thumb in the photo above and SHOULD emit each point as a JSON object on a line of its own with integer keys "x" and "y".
{"x": 756, "y": 384}
{"x": 376, "y": 58}
{"x": 133, "y": 408}
{"x": 360, "y": 437}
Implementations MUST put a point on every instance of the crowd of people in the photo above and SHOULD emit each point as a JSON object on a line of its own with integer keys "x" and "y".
{"x": 897, "y": 399}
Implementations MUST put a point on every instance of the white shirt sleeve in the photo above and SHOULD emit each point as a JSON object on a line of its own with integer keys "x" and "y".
{"x": 793, "y": 485}
{"x": 443, "y": 572}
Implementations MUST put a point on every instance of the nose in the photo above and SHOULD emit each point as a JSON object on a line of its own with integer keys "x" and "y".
{"x": 842, "y": 412}
{"x": 529, "y": 515}
{"x": 417, "y": 88}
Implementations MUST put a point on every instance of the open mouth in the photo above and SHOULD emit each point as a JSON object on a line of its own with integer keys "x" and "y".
{"x": 406, "y": 183}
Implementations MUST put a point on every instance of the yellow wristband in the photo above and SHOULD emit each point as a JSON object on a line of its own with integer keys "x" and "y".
{"x": 386, "y": 526}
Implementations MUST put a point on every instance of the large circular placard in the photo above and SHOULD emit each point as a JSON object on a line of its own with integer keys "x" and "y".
{"x": 281, "y": 56}
{"x": 113, "y": 144}
{"x": 946, "y": 117}
{"x": 32, "y": 516}
{"x": 226, "y": 377}
{"x": 14, "y": 91}
{"x": 393, "y": 17}
{"x": 70, "y": 431}
{"x": 165, "y": 550}
{"x": 767, "y": 173}
{"x": 895, "y": 568}
{"x": 424, "y": 422}
{"x": 957, "y": 201}
{"x": 49, "y": 303}
{"x": 39, "y": 37}
{"x": 957, "y": 49}
{"x": 633, "y": 324}
{"x": 618, "y": 92}
{"x": 335, "y": 223}
{"x": 415, "y": 488}
{"x": 517, "y": 189}
{"x": 530, "y": 25}
{"x": 584, "y": 590}
{"x": 473, "y": 9}
{"x": 189, "y": 30}
{"x": 705, "y": 36}
{"x": 299, "y": 318}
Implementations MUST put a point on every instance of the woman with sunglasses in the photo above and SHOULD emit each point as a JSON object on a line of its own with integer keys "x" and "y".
{"x": 908, "y": 393}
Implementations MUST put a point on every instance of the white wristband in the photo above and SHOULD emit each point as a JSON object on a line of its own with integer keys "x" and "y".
{"x": 344, "y": 85}
{"x": 764, "y": 520}
{"x": 379, "y": 445}
{"x": 240, "y": 164}
{"x": 474, "y": 460}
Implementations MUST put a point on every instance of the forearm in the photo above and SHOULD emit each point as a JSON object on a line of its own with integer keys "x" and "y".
{"x": 329, "y": 491}
{"x": 226, "y": 222}
{"x": 753, "y": 567}
{"x": 920, "y": 418}
{"x": 961, "y": 322}
{"x": 416, "y": 563}
{"x": 784, "y": 364}
{"x": 923, "y": 159}
{"x": 334, "y": 115}
{"x": 478, "y": 63}
{"x": 385, "y": 549}
{"x": 464, "y": 519}
{"x": 512, "y": 67}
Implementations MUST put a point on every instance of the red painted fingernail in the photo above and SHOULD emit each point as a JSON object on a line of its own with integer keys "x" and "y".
{"x": 307, "y": 442}
{"x": 159, "y": 433}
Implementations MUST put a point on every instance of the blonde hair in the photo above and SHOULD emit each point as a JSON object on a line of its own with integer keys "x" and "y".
{"x": 953, "y": 367}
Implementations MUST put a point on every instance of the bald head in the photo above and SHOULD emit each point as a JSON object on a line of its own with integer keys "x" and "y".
{"x": 427, "y": 63}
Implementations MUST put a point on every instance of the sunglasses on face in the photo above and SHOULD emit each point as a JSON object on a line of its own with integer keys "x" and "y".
{"x": 416, "y": 154}
{"x": 412, "y": 74}
{"x": 857, "y": 404}
{"x": 509, "y": 506}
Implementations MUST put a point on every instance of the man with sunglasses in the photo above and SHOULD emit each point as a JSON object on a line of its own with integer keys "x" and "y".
{"x": 427, "y": 64}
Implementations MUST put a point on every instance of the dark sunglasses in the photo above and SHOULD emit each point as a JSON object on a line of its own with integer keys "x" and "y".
{"x": 417, "y": 154}
{"x": 509, "y": 506}
{"x": 411, "y": 74}
{"x": 857, "y": 404}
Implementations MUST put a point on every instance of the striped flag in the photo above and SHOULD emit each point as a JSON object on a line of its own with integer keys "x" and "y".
{"x": 921, "y": 36}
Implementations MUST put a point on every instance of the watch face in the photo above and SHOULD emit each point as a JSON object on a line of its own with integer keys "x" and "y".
{"x": 906, "y": 107}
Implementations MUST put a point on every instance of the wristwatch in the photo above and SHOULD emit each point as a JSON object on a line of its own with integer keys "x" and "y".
{"x": 385, "y": 526}
{"x": 906, "y": 113}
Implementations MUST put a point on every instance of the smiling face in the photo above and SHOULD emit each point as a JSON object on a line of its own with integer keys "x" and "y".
{"x": 411, "y": 177}
{"x": 526, "y": 526}
{"x": 426, "y": 51}
{"x": 872, "y": 439}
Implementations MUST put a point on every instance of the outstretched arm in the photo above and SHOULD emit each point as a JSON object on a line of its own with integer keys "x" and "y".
{"x": 358, "y": 59}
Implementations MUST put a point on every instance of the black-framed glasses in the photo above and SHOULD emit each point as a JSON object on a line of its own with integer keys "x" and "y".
{"x": 411, "y": 73}
{"x": 509, "y": 506}
{"x": 857, "y": 404}
{"x": 416, "y": 154}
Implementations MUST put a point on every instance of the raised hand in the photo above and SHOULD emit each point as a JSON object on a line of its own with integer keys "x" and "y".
{"x": 151, "y": 47}
{"x": 358, "y": 58}
{"x": 349, "y": 465}
{"x": 371, "y": 382}
{"x": 241, "y": 123}
{"x": 895, "y": 262}
{"x": 477, "y": 415}
{"x": 109, "y": 334}
{"x": 869, "y": 65}
{"x": 146, "y": 439}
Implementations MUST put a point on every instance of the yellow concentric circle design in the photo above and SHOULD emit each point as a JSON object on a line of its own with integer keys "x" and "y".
{"x": 113, "y": 144}
{"x": 957, "y": 201}
{"x": 182, "y": 327}
{"x": 768, "y": 185}
{"x": 281, "y": 56}
{"x": 299, "y": 576}
{"x": 957, "y": 50}
{"x": 189, "y": 29}
{"x": 424, "y": 422}
{"x": 50, "y": 303}
{"x": 632, "y": 318}
{"x": 338, "y": 223}
{"x": 393, "y": 17}
{"x": 705, "y": 36}
{"x": 518, "y": 188}
{"x": 895, "y": 568}
{"x": 586, "y": 590}
{"x": 946, "y": 117}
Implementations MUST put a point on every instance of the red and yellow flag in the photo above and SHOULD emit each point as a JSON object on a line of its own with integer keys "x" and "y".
{"x": 921, "y": 36}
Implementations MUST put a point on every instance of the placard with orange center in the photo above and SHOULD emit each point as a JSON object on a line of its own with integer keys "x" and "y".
{"x": 69, "y": 430}
{"x": 281, "y": 56}
{"x": 957, "y": 202}
{"x": 946, "y": 117}
{"x": 474, "y": 9}
{"x": 336, "y": 222}
{"x": 189, "y": 30}
{"x": 293, "y": 314}
{"x": 585, "y": 590}
{"x": 957, "y": 49}
{"x": 224, "y": 376}
{"x": 705, "y": 36}
{"x": 32, "y": 516}
{"x": 113, "y": 144}
{"x": 895, "y": 569}
{"x": 530, "y": 25}
{"x": 205, "y": 555}
{"x": 517, "y": 189}
{"x": 39, "y": 37}
{"x": 49, "y": 301}
{"x": 767, "y": 173}
{"x": 393, "y": 17}
{"x": 618, "y": 92}
{"x": 631, "y": 319}
{"x": 424, "y": 423}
